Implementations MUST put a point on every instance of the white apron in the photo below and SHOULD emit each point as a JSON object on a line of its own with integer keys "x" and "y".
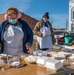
{"x": 13, "y": 40}
{"x": 45, "y": 42}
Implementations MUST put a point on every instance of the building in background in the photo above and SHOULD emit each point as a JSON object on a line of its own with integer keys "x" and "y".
{"x": 71, "y": 15}
{"x": 31, "y": 21}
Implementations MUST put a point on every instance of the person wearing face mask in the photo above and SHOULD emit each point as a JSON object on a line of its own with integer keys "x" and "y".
{"x": 16, "y": 36}
{"x": 44, "y": 32}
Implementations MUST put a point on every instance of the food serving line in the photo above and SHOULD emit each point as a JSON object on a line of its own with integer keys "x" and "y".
{"x": 38, "y": 63}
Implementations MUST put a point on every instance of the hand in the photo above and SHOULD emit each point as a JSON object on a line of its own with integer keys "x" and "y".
{"x": 43, "y": 35}
{"x": 28, "y": 48}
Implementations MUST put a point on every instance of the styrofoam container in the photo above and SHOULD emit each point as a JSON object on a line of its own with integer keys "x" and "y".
{"x": 42, "y": 60}
{"x": 53, "y": 64}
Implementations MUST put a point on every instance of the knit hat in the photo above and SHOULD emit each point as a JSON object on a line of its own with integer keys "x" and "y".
{"x": 46, "y": 15}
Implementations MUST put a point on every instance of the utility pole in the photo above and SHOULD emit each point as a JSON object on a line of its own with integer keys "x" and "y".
{"x": 66, "y": 25}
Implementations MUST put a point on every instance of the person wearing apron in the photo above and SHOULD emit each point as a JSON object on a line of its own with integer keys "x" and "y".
{"x": 44, "y": 32}
{"x": 16, "y": 37}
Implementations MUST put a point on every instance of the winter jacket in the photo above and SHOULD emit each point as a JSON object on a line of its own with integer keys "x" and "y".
{"x": 28, "y": 34}
{"x": 37, "y": 28}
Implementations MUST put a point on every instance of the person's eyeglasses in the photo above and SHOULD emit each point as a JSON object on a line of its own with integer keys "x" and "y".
{"x": 45, "y": 17}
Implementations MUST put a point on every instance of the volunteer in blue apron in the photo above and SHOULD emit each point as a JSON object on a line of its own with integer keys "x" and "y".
{"x": 16, "y": 36}
{"x": 44, "y": 32}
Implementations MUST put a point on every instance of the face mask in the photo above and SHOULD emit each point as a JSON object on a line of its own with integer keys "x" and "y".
{"x": 12, "y": 21}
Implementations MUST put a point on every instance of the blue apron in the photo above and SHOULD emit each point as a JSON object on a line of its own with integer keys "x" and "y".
{"x": 13, "y": 40}
{"x": 45, "y": 42}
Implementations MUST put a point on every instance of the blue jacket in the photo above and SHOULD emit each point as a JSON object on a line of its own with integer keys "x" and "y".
{"x": 28, "y": 34}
